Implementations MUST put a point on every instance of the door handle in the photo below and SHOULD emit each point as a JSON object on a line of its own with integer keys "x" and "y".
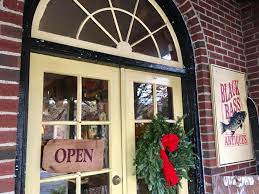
{"x": 116, "y": 180}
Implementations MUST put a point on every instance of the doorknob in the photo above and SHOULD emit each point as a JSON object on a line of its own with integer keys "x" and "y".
{"x": 116, "y": 180}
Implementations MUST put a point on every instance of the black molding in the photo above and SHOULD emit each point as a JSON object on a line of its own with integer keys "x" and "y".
{"x": 188, "y": 79}
{"x": 190, "y": 102}
{"x": 65, "y": 51}
{"x": 254, "y": 124}
{"x": 20, "y": 162}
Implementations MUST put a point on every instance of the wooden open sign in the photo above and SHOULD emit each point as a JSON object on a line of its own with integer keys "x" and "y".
{"x": 66, "y": 156}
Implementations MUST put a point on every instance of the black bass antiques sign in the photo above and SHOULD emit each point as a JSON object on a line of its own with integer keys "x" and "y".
{"x": 67, "y": 156}
{"x": 231, "y": 121}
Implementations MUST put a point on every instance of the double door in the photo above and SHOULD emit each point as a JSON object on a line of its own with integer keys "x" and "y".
{"x": 78, "y": 100}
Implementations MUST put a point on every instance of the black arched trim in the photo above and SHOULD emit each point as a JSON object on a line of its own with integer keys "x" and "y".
{"x": 254, "y": 124}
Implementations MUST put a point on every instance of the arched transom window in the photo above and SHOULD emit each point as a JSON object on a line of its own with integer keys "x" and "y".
{"x": 136, "y": 29}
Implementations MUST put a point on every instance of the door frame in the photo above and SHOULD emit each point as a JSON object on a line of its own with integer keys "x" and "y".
{"x": 187, "y": 74}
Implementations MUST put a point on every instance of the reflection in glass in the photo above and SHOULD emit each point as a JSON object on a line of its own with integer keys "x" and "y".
{"x": 166, "y": 45}
{"x": 97, "y": 184}
{"x": 143, "y": 101}
{"x": 140, "y": 129}
{"x": 93, "y": 33}
{"x": 94, "y": 100}
{"x": 59, "y": 187}
{"x": 55, "y": 21}
{"x": 139, "y": 132}
{"x": 59, "y": 97}
{"x": 92, "y": 6}
{"x": 146, "y": 47}
{"x": 105, "y": 18}
{"x": 138, "y": 32}
{"x": 148, "y": 14}
{"x": 55, "y": 132}
{"x": 98, "y": 132}
{"x": 124, "y": 4}
{"x": 124, "y": 23}
{"x": 142, "y": 188}
{"x": 164, "y": 101}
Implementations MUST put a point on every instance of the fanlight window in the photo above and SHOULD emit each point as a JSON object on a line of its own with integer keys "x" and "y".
{"x": 135, "y": 29}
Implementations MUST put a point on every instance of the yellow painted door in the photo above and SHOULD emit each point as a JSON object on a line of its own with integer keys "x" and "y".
{"x": 73, "y": 100}
{"x": 146, "y": 95}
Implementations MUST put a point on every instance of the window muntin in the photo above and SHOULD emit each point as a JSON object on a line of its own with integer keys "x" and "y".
{"x": 109, "y": 27}
{"x": 143, "y": 101}
{"x": 75, "y": 107}
{"x": 152, "y": 99}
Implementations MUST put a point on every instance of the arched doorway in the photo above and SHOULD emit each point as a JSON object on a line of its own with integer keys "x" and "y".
{"x": 149, "y": 44}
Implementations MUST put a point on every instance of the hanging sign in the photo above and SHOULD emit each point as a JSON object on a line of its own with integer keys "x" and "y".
{"x": 235, "y": 184}
{"x": 67, "y": 156}
{"x": 231, "y": 121}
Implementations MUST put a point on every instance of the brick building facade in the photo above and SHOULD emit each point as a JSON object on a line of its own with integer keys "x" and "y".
{"x": 225, "y": 33}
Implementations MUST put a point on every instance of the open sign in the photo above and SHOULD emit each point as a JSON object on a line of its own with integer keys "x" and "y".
{"x": 66, "y": 156}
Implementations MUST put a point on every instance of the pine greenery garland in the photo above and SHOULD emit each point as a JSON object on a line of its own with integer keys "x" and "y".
{"x": 148, "y": 162}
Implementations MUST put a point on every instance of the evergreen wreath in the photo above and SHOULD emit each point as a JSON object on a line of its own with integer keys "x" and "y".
{"x": 150, "y": 153}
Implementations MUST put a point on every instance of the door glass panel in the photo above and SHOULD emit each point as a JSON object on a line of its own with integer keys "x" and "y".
{"x": 142, "y": 188}
{"x": 143, "y": 101}
{"x": 55, "y": 132}
{"x": 164, "y": 101}
{"x": 97, "y": 184}
{"x": 94, "y": 100}
{"x": 98, "y": 132}
{"x": 59, "y": 97}
{"x": 139, "y": 130}
{"x": 59, "y": 187}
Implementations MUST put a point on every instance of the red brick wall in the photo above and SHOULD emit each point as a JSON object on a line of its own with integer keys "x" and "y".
{"x": 250, "y": 24}
{"x": 10, "y": 52}
{"x": 216, "y": 29}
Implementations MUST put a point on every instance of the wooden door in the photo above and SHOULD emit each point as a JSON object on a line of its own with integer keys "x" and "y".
{"x": 146, "y": 95}
{"x": 73, "y": 100}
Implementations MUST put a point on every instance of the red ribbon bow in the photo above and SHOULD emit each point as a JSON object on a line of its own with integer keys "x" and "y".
{"x": 169, "y": 141}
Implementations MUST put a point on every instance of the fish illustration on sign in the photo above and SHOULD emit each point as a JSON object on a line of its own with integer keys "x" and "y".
{"x": 235, "y": 122}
